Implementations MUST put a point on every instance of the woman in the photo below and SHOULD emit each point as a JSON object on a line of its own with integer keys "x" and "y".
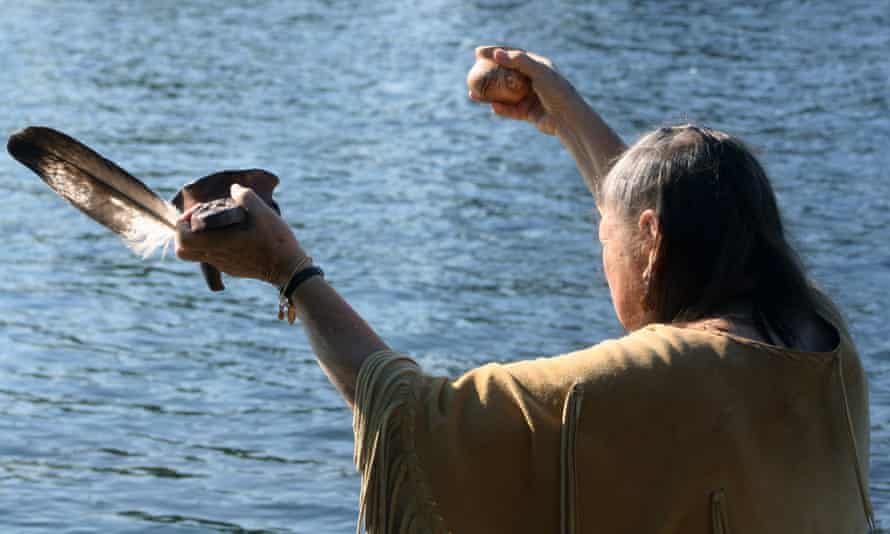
{"x": 737, "y": 403}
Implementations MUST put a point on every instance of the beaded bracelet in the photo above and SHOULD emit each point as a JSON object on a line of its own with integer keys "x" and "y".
{"x": 286, "y": 292}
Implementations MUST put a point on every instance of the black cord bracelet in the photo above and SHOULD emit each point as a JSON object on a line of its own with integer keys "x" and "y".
{"x": 285, "y": 295}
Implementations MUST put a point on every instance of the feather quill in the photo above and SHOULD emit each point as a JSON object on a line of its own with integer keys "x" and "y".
{"x": 97, "y": 187}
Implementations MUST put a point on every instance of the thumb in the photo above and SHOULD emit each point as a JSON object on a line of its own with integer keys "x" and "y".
{"x": 248, "y": 199}
{"x": 519, "y": 60}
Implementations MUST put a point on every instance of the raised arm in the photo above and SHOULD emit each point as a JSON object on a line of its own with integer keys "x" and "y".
{"x": 267, "y": 250}
{"x": 556, "y": 108}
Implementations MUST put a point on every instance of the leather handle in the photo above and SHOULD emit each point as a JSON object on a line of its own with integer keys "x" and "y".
{"x": 212, "y": 276}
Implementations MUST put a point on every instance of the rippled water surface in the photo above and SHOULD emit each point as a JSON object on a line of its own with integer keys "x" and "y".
{"x": 134, "y": 400}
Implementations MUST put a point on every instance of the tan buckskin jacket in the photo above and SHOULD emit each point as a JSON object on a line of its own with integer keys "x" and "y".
{"x": 667, "y": 430}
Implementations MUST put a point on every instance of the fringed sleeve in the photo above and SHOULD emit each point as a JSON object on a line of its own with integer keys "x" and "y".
{"x": 393, "y": 496}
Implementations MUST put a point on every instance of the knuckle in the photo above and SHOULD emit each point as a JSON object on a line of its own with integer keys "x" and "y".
{"x": 189, "y": 244}
{"x": 183, "y": 253}
{"x": 485, "y": 51}
{"x": 239, "y": 196}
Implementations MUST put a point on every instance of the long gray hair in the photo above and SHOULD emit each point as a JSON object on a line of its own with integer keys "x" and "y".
{"x": 722, "y": 237}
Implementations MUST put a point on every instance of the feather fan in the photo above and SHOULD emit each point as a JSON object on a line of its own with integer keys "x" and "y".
{"x": 97, "y": 187}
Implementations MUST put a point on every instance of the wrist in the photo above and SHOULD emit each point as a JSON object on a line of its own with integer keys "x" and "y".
{"x": 285, "y": 269}
{"x": 300, "y": 276}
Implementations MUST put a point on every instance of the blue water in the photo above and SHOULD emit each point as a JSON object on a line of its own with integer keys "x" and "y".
{"x": 134, "y": 400}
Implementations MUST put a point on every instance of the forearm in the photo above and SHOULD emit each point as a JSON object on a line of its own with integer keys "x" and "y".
{"x": 266, "y": 249}
{"x": 591, "y": 142}
{"x": 556, "y": 108}
{"x": 341, "y": 339}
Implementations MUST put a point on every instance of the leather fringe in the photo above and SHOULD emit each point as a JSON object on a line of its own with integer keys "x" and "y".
{"x": 393, "y": 498}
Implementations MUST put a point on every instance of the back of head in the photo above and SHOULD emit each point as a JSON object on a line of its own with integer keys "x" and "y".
{"x": 722, "y": 238}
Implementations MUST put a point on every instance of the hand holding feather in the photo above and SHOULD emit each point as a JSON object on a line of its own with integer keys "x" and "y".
{"x": 263, "y": 247}
{"x": 111, "y": 196}
{"x": 216, "y": 209}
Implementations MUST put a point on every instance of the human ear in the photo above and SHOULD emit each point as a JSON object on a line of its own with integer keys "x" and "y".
{"x": 650, "y": 235}
{"x": 648, "y": 225}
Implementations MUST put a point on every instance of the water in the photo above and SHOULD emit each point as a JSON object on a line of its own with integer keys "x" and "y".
{"x": 134, "y": 400}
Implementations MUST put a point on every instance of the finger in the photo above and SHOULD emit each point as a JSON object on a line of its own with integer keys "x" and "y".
{"x": 519, "y": 111}
{"x": 203, "y": 239}
{"x": 474, "y": 97}
{"x": 487, "y": 52}
{"x": 249, "y": 200}
{"x": 187, "y": 255}
{"x": 510, "y": 111}
{"x": 519, "y": 60}
{"x": 523, "y": 106}
{"x": 184, "y": 242}
{"x": 187, "y": 214}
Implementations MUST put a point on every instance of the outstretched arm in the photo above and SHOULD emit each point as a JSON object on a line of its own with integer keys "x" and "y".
{"x": 556, "y": 108}
{"x": 267, "y": 250}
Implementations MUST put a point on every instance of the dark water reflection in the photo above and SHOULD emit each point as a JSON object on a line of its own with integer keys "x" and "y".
{"x": 133, "y": 400}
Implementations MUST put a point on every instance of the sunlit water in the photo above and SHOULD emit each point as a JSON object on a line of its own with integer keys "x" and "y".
{"x": 134, "y": 400}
